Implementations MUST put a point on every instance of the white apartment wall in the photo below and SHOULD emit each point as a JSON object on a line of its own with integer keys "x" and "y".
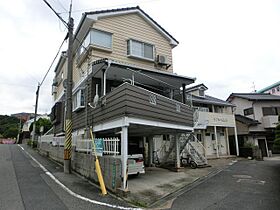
{"x": 241, "y": 104}
{"x": 259, "y": 105}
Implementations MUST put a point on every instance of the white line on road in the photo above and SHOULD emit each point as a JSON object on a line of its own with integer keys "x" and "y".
{"x": 73, "y": 193}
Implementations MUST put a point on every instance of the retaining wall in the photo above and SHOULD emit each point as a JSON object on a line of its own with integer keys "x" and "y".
{"x": 84, "y": 164}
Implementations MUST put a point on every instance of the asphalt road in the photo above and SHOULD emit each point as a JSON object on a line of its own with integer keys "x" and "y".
{"x": 244, "y": 185}
{"x": 24, "y": 185}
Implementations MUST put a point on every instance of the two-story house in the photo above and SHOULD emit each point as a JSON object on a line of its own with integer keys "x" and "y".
{"x": 124, "y": 83}
{"x": 213, "y": 121}
{"x": 256, "y": 118}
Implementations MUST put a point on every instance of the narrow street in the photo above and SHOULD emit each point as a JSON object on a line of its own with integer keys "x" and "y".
{"x": 24, "y": 185}
{"x": 244, "y": 185}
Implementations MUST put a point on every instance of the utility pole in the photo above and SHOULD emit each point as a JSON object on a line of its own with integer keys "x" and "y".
{"x": 68, "y": 128}
{"x": 35, "y": 116}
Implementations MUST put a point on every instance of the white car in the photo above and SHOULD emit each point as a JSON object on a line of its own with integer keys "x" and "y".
{"x": 135, "y": 164}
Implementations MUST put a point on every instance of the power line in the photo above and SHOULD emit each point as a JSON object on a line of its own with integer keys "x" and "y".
{"x": 116, "y": 5}
{"x": 64, "y": 22}
{"x": 53, "y": 60}
{"x": 61, "y": 5}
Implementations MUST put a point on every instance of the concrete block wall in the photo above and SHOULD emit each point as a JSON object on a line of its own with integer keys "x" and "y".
{"x": 84, "y": 164}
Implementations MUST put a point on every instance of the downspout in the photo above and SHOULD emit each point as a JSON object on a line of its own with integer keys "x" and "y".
{"x": 104, "y": 77}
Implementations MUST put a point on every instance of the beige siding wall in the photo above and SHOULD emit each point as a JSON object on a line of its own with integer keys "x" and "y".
{"x": 123, "y": 28}
{"x": 132, "y": 26}
{"x": 60, "y": 87}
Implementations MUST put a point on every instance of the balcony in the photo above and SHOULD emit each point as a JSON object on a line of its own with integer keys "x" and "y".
{"x": 138, "y": 103}
{"x": 270, "y": 121}
{"x": 202, "y": 119}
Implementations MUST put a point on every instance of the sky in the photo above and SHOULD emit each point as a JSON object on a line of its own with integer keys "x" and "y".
{"x": 229, "y": 45}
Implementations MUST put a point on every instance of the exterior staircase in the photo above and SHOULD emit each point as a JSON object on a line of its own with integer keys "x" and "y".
{"x": 189, "y": 145}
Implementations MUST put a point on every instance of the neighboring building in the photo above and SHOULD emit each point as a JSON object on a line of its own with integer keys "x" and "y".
{"x": 213, "y": 120}
{"x": 124, "y": 83}
{"x": 26, "y": 126}
{"x": 256, "y": 118}
{"x": 23, "y": 116}
{"x": 273, "y": 89}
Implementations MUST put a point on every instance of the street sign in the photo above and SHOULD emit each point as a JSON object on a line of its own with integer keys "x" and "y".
{"x": 98, "y": 146}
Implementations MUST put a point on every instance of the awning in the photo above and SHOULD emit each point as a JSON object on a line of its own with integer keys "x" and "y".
{"x": 127, "y": 72}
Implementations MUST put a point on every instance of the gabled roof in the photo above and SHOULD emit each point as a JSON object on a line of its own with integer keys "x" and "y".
{"x": 269, "y": 87}
{"x": 199, "y": 86}
{"x": 210, "y": 100}
{"x": 246, "y": 120}
{"x": 95, "y": 15}
{"x": 254, "y": 96}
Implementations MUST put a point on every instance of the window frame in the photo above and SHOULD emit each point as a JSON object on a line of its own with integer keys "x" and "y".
{"x": 248, "y": 111}
{"x": 77, "y": 101}
{"x": 273, "y": 111}
{"x": 130, "y": 54}
{"x": 87, "y": 39}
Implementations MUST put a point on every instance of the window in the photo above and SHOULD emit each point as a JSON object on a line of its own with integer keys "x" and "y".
{"x": 201, "y": 92}
{"x": 271, "y": 111}
{"x": 140, "y": 50}
{"x": 79, "y": 99}
{"x": 101, "y": 38}
{"x": 98, "y": 38}
{"x": 248, "y": 111}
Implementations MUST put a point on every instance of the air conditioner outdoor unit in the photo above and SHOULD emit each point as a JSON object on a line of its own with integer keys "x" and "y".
{"x": 162, "y": 59}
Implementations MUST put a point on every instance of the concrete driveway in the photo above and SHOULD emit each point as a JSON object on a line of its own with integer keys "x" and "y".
{"x": 157, "y": 183}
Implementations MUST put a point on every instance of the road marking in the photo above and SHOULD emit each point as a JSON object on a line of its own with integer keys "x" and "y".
{"x": 251, "y": 181}
{"x": 242, "y": 176}
{"x": 73, "y": 193}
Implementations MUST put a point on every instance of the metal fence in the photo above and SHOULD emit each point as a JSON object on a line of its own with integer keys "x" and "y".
{"x": 110, "y": 145}
{"x": 45, "y": 138}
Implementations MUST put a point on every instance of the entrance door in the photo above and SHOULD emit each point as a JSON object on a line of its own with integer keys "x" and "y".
{"x": 222, "y": 143}
{"x": 262, "y": 146}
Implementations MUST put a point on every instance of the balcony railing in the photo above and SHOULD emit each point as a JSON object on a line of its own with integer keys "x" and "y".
{"x": 202, "y": 119}
{"x": 134, "y": 101}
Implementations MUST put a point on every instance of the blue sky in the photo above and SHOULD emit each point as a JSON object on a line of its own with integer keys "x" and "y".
{"x": 227, "y": 45}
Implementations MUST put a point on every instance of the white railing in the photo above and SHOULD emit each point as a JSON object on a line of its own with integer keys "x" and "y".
{"x": 110, "y": 145}
{"x": 45, "y": 138}
{"x": 83, "y": 145}
{"x": 58, "y": 141}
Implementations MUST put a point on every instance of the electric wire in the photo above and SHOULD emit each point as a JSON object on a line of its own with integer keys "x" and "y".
{"x": 40, "y": 84}
{"x": 63, "y": 21}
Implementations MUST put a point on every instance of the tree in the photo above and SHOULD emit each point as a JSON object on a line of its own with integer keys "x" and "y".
{"x": 11, "y": 132}
{"x": 276, "y": 144}
{"x": 46, "y": 123}
{"x": 8, "y": 126}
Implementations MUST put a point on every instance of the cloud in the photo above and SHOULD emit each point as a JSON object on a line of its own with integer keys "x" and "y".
{"x": 227, "y": 45}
